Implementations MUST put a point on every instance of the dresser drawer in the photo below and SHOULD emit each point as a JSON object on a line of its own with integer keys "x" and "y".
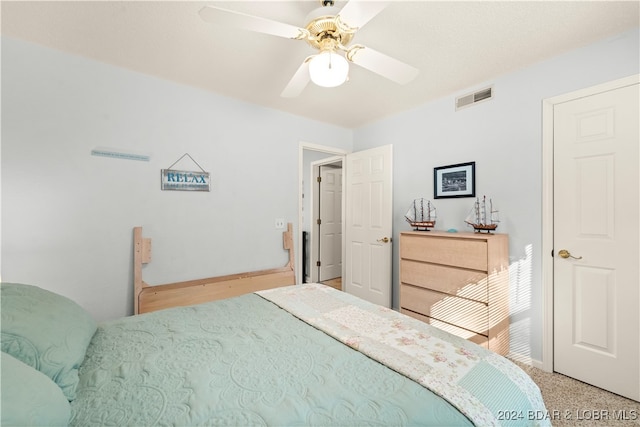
{"x": 454, "y": 330}
{"x": 470, "y": 284}
{"x": 462, "y": 312}
{"x": 458, "y": 252}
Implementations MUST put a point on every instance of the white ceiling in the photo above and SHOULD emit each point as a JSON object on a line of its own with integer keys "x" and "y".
{"x": 455, "y": 45}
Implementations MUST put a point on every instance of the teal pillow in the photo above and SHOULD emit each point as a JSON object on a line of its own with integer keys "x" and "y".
{"x": 29, "y": 397}
{"x": 46, "y": 331}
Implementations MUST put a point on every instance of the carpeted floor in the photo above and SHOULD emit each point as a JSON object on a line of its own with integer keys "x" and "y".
{"x": 574, "y": 403}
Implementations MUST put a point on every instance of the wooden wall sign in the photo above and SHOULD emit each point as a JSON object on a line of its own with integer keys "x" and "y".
{"x": 180, "y": 180}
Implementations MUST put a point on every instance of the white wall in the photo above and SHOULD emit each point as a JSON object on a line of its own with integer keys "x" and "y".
{"x": 67, "y": 216}
{"x": 503, "y": 136}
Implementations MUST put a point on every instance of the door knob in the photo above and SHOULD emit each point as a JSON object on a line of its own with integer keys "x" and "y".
{"x": 384, "y": 240}
{"x": 566, "y": 254}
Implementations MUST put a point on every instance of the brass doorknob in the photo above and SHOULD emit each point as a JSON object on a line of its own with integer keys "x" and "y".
{"x": 566, "y": 254}
{"x": 384, "y": 240}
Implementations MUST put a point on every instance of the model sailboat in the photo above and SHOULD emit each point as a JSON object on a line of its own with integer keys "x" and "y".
{"x": 483, "y": 217}
{"x": 421, "y": 215}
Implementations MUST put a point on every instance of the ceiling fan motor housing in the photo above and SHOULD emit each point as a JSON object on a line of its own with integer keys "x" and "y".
{"x": 323, "y": 25}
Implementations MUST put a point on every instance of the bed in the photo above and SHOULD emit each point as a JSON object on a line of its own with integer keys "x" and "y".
{"x": 248, "y": 349}
{"x": 290, "y": 356}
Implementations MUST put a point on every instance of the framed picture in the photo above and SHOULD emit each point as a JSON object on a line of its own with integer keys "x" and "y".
{"x": 454, "y": 181}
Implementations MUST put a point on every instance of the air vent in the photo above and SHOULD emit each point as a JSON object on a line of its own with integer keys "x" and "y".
{"x": 474, "y": 98}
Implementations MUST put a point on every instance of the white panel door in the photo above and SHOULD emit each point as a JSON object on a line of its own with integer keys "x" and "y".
{"x": 596, "y": 216}
{"x": 368, "y": 225}
{"x": 330, "y": 222}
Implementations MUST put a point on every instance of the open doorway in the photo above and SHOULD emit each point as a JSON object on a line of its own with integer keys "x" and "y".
{"x": 312, "y": 159}
{"x": 367, "y": 218}
{"x": 325, "y": 237}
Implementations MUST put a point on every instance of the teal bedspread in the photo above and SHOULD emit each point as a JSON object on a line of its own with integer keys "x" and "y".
{"x": 240, "y": 362}
{"x": 246, "y": 361}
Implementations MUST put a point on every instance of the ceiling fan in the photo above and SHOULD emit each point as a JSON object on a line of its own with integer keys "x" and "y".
{"x": 329, "y": 30}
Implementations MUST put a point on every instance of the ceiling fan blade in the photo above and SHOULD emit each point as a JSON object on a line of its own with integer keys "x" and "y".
{"x": 356, "y": 13}
{"x": 382, "y": 64}
{"x": 218, "y": 16}
{"x": 299, "y": 81}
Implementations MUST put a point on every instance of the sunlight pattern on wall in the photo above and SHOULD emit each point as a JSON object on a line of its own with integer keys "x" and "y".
{"x": 520, "y": 283}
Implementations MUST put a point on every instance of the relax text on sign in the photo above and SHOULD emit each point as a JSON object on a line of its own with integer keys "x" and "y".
{"x": 185, "y": 180}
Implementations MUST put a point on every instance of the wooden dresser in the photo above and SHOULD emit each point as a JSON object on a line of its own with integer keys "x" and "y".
{"x": 458, "y": 282}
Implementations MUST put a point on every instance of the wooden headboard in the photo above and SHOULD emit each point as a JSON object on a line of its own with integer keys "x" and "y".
{"x": 148, "y": 298}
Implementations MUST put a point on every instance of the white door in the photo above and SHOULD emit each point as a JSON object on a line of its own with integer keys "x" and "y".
{"x": 330, "y": 224}
{"x": 596, "y": 281}
{"x": 368, "y": 225}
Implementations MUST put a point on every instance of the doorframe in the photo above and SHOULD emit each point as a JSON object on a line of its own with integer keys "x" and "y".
{"x": 547, "y": 204}
{"x": 315, "y": 196}
{"x": 336, "y": 152}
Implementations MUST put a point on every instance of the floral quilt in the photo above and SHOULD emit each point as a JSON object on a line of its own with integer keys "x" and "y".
{"x": 486, "y": 387}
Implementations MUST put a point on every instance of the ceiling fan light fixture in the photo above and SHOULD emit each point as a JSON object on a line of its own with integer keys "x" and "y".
{"x": 328, "y": 69}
